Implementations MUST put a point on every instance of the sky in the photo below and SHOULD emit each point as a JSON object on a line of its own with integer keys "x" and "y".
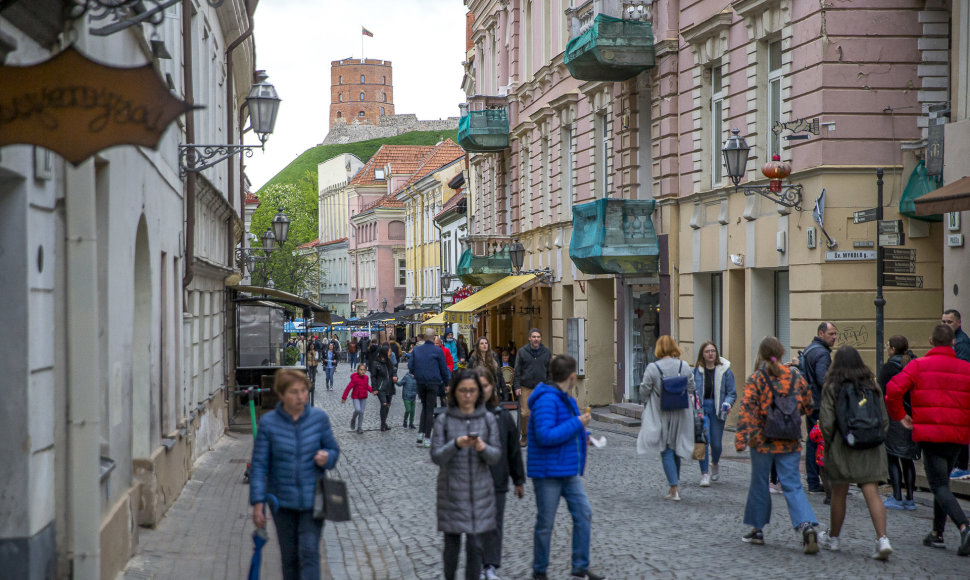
{"x": 297, "y": 39}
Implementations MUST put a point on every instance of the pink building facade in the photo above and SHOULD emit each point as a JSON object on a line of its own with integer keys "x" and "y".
{"x": 734, "y": 266}
{"x": 377, "y": 232}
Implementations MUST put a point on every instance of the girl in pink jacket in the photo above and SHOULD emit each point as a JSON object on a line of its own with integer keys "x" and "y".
{"x": 358, "y": 388}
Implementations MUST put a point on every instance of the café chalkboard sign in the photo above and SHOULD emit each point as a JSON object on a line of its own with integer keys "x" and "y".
{"x": 76, "y": 106}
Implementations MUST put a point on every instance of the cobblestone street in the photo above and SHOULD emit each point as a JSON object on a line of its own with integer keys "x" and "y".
{"x": 636, "y": 534}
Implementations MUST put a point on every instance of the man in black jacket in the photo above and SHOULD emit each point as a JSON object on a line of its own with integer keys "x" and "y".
{"x": 816, "y": 359}
{"x": 427, "y": 364}
{"x": 531, "y": 368}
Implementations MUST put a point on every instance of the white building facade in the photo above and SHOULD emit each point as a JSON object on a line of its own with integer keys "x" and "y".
{"x": 333, "y": 177}
{"x": 115, "y": 271}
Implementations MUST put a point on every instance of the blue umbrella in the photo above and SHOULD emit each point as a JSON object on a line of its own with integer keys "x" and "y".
{"x": 260, "y": 537}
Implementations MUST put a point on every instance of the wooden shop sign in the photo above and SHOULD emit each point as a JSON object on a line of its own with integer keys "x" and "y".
{"x": 76, "y": 106}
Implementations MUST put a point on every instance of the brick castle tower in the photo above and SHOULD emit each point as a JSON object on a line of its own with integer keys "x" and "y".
{"x": 360, "y": 90}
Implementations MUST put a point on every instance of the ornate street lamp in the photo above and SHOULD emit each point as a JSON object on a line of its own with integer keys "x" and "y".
{"x": 517, "y": 253}
{"x": 263, "y": 104}
{"x": 281, "y": 226}
{"x": 736, "y": 152}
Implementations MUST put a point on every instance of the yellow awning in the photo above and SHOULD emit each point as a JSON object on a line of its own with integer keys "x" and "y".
{"x": 436, "y": 320}
{"x": 463, "y": 311}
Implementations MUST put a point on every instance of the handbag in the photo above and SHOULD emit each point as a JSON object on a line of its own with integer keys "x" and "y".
{"x": 673, "y": 391}
{"x": 330, "y": 500}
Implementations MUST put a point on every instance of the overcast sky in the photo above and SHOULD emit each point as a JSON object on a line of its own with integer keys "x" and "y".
{"x": 297, "y": 39}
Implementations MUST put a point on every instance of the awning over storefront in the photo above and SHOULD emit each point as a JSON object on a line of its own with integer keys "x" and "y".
{"x": 436, "y": 320}
{"x": 261, "y": 293}
{"x": 952, "y": 197}
{"x": 463, "y": 311}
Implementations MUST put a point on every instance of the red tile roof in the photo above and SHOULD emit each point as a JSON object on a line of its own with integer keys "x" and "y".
{"x": 312, "y": 244}
{"x": 251, "y": 198}
{"x": 443, "y": 154}
{"x": 450, "y": 205}
{"x": 331, "y": 242}
{"x": 402, "y": 159}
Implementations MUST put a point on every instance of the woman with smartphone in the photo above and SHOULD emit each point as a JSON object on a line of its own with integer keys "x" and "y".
{"x": 465, "y": 442}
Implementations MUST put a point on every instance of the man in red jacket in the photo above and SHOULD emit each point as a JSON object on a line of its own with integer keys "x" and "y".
{"x": 940, "y": 394}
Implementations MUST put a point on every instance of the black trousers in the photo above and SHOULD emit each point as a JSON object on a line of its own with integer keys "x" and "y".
{"x": 473, "y": 556}
{"x": 492, "y": 540}
{"x": 938, "y": 460}
{"x": 428, "y": 395}
{"x": 385, "y": 408}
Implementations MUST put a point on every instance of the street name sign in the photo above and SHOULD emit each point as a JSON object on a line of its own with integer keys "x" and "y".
{"x": 902, "y": 281}
{"x": 866, "y": 215}
{"x": 850, "y": 256}
{"x": 899, "y": 267}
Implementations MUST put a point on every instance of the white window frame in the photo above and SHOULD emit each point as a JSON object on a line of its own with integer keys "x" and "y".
{"x": 718, "y": 96}
{"x": 773, "y": 142}
{"x": 566, "y": 170}
{"x": 402, "y": 268}
{"x": 601, "y": 134}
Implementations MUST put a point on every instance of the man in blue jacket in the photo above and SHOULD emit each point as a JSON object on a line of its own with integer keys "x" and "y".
{"x": 557, "y": 457}
{"x": 815, "y": 362}
{"x": 427, "y": 364}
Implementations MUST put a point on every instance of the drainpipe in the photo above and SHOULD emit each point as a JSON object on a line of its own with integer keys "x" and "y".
{"x": 441, "y": 265}
{"x": 190, "y": 176}
{"x": 230, "y": 183}
{"x": 83, "y": 372}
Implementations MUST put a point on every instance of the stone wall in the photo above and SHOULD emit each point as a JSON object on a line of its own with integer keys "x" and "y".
{"x": 388, "y": 126}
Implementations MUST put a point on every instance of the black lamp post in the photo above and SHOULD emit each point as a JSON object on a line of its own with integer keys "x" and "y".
{"x": 281, "y": 227}
{"x": 274, "y": 237}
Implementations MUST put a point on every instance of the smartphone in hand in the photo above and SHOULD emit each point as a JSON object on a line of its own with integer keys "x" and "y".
{"x": 473, "y": 435}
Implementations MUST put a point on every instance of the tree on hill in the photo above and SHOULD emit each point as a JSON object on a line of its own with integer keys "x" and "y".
{"x": 290, "y": 269}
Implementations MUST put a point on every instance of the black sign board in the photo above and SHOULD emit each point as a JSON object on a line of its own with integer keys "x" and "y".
{"x": 902, "y": 281}
{"x": 899, "y": 254}
{"x": 866, "y": 215}
{"x": 899, "y": 267}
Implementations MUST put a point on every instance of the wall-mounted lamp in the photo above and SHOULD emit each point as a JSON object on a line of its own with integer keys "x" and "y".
{"x": 736, "y": 152}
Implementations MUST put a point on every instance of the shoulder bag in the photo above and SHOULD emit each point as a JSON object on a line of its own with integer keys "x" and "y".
{"x": 673, "y": 391}
{"x": 330, "y": 500}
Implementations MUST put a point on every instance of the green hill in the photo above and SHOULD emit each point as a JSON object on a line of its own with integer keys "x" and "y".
{"x": 310, "y": 158}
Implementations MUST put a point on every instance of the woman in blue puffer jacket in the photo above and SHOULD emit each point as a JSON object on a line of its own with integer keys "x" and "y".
{"x": 294, "y": 446}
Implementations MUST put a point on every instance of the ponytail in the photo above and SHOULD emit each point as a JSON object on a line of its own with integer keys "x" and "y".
{"x": 769, "y": 353}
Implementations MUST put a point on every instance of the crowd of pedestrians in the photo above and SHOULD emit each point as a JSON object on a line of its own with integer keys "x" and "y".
{"x": 861, "y": 428}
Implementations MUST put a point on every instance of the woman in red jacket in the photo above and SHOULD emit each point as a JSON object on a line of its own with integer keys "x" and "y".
{"x": 939, "y": 387}
{"x": 358, "y": 388}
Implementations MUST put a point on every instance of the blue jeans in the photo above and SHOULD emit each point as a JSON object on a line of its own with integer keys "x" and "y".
{"x": 715, "y": 432}
{"x": 548, "y": 490}
{"x": 757, "y": 510}
{"x": 353, "y": 361}
{"x": 671, "y": 463}
{"x": 330, "y": 377}
{"x": 299, "y": 536}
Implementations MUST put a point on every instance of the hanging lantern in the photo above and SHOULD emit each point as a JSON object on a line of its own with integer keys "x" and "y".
{"x": 776, "y": 170}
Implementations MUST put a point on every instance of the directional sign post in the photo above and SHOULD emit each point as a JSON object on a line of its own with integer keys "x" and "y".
{"x": 899, "y": 254}
{"x": 891, "y": 233}
{"x": 866, "y": 215}
{"x": 899, "y": 267}
{"x": 901, "y": 281}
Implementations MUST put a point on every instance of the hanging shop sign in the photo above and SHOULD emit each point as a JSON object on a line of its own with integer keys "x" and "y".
{"x": 76, "y": 106}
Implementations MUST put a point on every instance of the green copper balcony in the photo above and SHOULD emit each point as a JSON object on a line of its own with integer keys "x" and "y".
{"x": 484, "y": 270}
{"x": 611, "y": 49}
{"x": 484, "y": 131}
{"x": 614, "y": 236}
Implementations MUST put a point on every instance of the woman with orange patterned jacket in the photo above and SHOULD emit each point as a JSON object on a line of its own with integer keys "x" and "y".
{"x": 769, "y": 423}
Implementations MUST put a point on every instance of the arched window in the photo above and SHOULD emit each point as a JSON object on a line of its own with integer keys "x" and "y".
{"x": 361, "y": 79}
{"x": 360, "y": 114}
{"x": 340, "y": 80}
{"x": 382, "y": 111}
{"x": 340, "y": 98}
{"x": 383, "y": 80}
{"x": 362, "y": 96}
{"x": 385, "y": 97}
{"x": 339, "y": 114}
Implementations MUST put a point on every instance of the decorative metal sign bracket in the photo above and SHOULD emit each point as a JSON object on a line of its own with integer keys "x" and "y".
{"x": 789, "y": 195}
{"x": 123, "y": 13}
{"x": 195, "y": 158}
{"x": 801, "y": 128}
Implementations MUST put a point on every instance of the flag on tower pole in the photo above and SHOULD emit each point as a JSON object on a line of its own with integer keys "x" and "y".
{"x": 366, "y": 32}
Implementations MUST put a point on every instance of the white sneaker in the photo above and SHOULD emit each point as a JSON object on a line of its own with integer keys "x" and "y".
{"x": 420, "y": 439}
{"x": 715, "y": 472}
{"x": 427, "y": 443}
{"x": 828, "y": 542}
{"x": 489, "y": 573}
{"x": 705, "y": 480}
{"x": 883, "y": 549}
{"x": 774, "y": 488}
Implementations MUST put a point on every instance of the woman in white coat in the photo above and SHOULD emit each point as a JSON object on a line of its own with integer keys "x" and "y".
{"x": 669, "y": 432}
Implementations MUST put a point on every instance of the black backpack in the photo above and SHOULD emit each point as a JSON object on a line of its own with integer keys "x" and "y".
{"x": 858, "y": 413}
{"x": 782, "y": 421}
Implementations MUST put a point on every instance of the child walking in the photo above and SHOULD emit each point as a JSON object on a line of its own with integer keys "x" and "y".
{"x": 409, "y": 392}
{"x": 816, "y": 436}
{"x": 358, "y": 388}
